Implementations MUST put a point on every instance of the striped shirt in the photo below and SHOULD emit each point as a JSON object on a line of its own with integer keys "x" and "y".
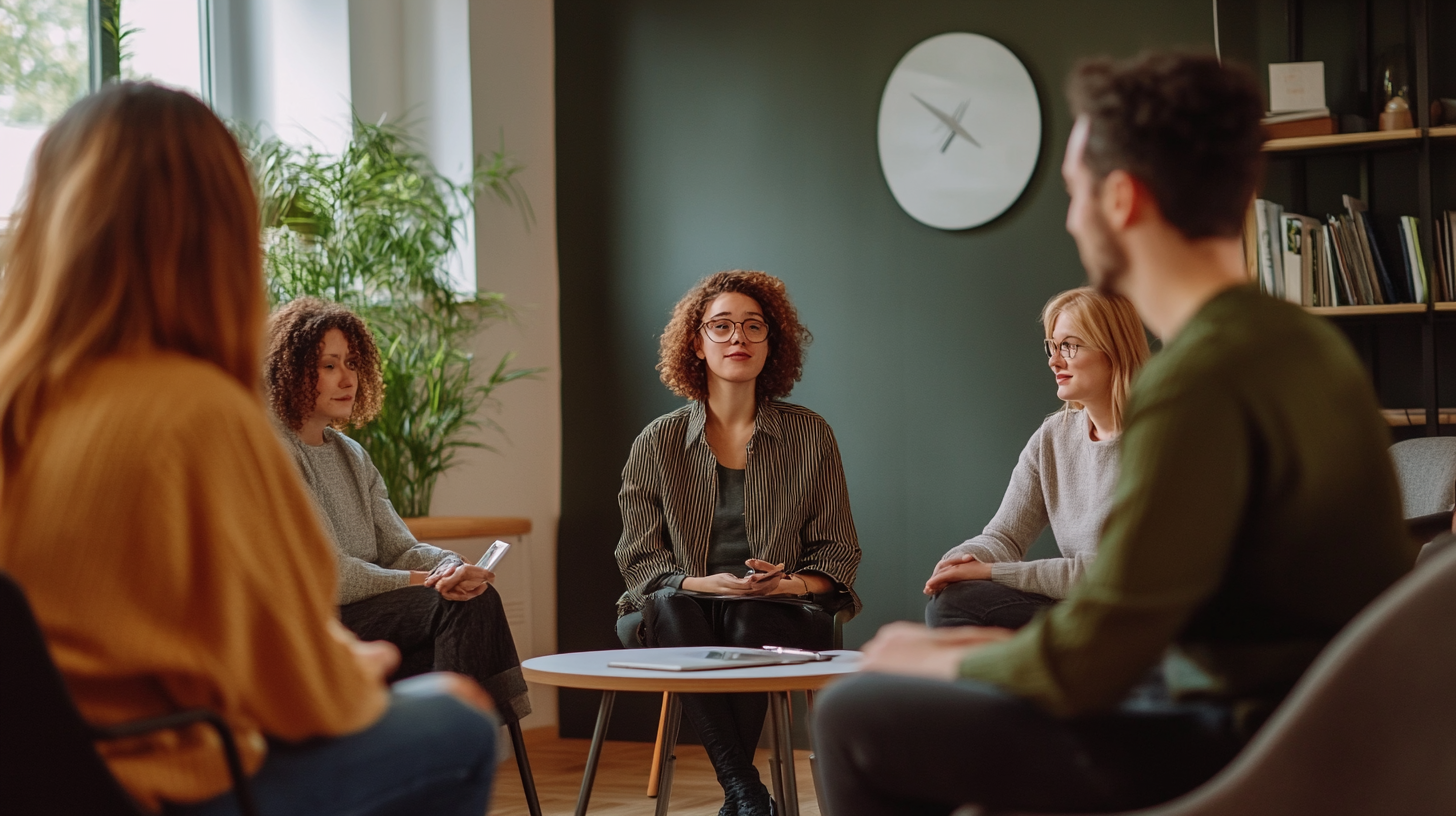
{"x": 795, "y": 501}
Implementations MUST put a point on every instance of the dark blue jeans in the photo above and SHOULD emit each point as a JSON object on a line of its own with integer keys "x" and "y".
{"x": 428, "y": 754}
{"x": 984, "y": 603}
{"x": 901, "y": 745}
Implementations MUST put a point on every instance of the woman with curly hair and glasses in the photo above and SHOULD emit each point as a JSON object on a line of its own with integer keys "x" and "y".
{"x": 322, "y": 374}
{"x": 1064, "y": 478}
{"x": 736, "y": 529}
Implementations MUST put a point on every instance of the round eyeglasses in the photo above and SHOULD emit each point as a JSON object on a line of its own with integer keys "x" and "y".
{"x": 1067, "y": 350}
{"x": 721, "y": 330}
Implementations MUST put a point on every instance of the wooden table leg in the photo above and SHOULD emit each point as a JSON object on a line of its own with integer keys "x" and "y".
{"x": 789, "y": 799}
{"x": 652, "y": 776}
{"x": 669, "y": 751}
{"x": 604, "y": 716}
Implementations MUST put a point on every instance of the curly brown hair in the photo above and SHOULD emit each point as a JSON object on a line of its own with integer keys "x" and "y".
{"x": 687, "y": 375}
{"x": 290, "y": 371}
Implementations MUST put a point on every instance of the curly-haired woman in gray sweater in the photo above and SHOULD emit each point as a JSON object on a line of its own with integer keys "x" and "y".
{"x": 1064, "y": 478}
{"x": 322, "y": 373}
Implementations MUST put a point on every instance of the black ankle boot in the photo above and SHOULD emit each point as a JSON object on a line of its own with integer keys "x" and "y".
{"x": 747, "y": 798}
{"x": 712, "y": 718}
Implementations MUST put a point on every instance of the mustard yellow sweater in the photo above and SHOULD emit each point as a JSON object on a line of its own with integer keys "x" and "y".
{"x": 174, "y": 560}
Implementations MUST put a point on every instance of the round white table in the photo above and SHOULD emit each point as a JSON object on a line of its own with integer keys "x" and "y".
{"x": 589, "y": 670}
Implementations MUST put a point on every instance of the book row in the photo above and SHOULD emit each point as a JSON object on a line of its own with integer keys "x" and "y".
{"x": 1339, "y": 261}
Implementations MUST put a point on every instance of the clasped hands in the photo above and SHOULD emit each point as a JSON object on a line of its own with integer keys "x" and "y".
{"x": 766, "y": 579}
{"x": 457, "y": 581}
{"x": 956, "y": 568}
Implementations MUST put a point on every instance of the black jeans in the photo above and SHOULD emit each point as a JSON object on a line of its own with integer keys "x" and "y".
{"x": 901, "y": 745}
{"x": 984, "y": 603}
{"x": 730, "y": 724}
{"x": 434, "y": 634}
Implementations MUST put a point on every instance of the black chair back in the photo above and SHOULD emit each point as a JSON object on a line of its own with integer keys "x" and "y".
{"x": 48, "y": 762}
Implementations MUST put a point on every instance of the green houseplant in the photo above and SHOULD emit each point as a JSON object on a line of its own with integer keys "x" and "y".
{"x": 376, "y": 228}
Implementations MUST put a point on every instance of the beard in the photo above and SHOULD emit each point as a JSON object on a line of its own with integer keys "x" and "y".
{"x": 1102, "y": 255}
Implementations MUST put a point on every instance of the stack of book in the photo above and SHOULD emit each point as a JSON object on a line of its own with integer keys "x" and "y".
{"x": 1445, "y": 280}
{"x": 1313, "y": 122}
{"x": 1334, "y": 262}
{"x": 1297, "y": 101}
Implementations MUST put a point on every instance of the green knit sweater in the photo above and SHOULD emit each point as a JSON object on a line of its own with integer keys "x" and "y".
{"x": 1256, "y": 513}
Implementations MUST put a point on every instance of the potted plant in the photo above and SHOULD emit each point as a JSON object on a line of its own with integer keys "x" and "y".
{"x": 376, "y": 228}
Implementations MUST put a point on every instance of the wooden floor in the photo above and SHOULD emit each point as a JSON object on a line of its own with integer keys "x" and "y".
{"x": 621, "y": 785}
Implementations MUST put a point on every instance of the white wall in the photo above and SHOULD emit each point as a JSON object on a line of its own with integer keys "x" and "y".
{"x": 457, "y": 73}
{"x": 512, "y": 72}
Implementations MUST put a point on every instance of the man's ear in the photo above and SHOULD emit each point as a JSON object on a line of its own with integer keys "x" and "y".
{"x": 1127, "y": 201}
{"x": 1121, "y": 198}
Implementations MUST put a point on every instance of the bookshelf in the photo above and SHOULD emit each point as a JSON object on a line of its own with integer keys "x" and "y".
{"x": 1409, "y": 349}
{"x": 1387, "y": 309}
{"x": 1342, "y": 141}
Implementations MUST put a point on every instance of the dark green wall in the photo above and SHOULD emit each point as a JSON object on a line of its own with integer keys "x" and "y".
{"x": 717, "y": 134}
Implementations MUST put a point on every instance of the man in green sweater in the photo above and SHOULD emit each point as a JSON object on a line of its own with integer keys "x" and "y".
{"x": 1256, "y": 512}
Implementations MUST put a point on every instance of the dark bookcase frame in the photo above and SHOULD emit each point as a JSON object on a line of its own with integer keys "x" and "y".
{"x": 1367, "y": 326}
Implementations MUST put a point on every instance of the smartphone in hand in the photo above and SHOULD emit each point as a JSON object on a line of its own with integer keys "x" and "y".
{"x": 756, "y": 576}
{"x": 494, "y": 554}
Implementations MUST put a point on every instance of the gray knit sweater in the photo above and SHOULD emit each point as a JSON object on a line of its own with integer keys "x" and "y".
{"x": 374, "y": 547}
{"x": 1064, "y": 479}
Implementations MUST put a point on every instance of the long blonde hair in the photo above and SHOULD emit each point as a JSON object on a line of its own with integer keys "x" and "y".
{"x": 139, "y": 229}
{"x": 1110, "y": 323}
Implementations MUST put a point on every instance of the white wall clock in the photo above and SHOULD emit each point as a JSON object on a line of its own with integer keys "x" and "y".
{"x": 960, "y": 130}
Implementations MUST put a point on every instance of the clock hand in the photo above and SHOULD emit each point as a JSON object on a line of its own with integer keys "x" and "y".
{"x": 955, "y": 127}
{"x": 950, "y": 137}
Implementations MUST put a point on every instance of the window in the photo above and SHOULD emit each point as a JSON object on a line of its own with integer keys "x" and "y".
{"x": 162, "y": 42}
{"x": 46, "y": 65}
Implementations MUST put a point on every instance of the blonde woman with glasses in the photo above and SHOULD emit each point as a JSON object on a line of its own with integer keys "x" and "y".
{"x": 1064, "y": 478}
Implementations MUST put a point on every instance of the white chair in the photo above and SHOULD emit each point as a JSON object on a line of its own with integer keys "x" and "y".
{"x": 1369, "y": 729}
{"x": 1426, "y": 469}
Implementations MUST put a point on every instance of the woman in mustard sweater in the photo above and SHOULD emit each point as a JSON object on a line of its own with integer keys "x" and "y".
{"x": 165, "y": 542}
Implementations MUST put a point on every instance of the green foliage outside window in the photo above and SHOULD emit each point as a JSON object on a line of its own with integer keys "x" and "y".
{"x": 44, "y": 59}
{"x": 375, "y": 229}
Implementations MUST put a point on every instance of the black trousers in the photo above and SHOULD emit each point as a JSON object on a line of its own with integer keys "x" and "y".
{"x": 899, "y": 745}
{"x": 730, "y": 724}
{"x": 434, "y": 634}
{"x": 984, "y": 603}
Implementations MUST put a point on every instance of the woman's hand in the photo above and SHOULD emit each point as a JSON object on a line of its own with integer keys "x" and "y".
{"x": 378, "y": 658}
{"x": 723, "y": 583}
{"x": 954, "y": 569}
{"x": 458, "y": 686}
{"x": 767, "y": 579}
{"x": 460, "y": 582}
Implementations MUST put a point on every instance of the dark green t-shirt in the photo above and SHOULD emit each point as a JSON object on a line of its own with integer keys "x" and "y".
{"x": 728, "y": 541}
{"x": 1256, "y": 513}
